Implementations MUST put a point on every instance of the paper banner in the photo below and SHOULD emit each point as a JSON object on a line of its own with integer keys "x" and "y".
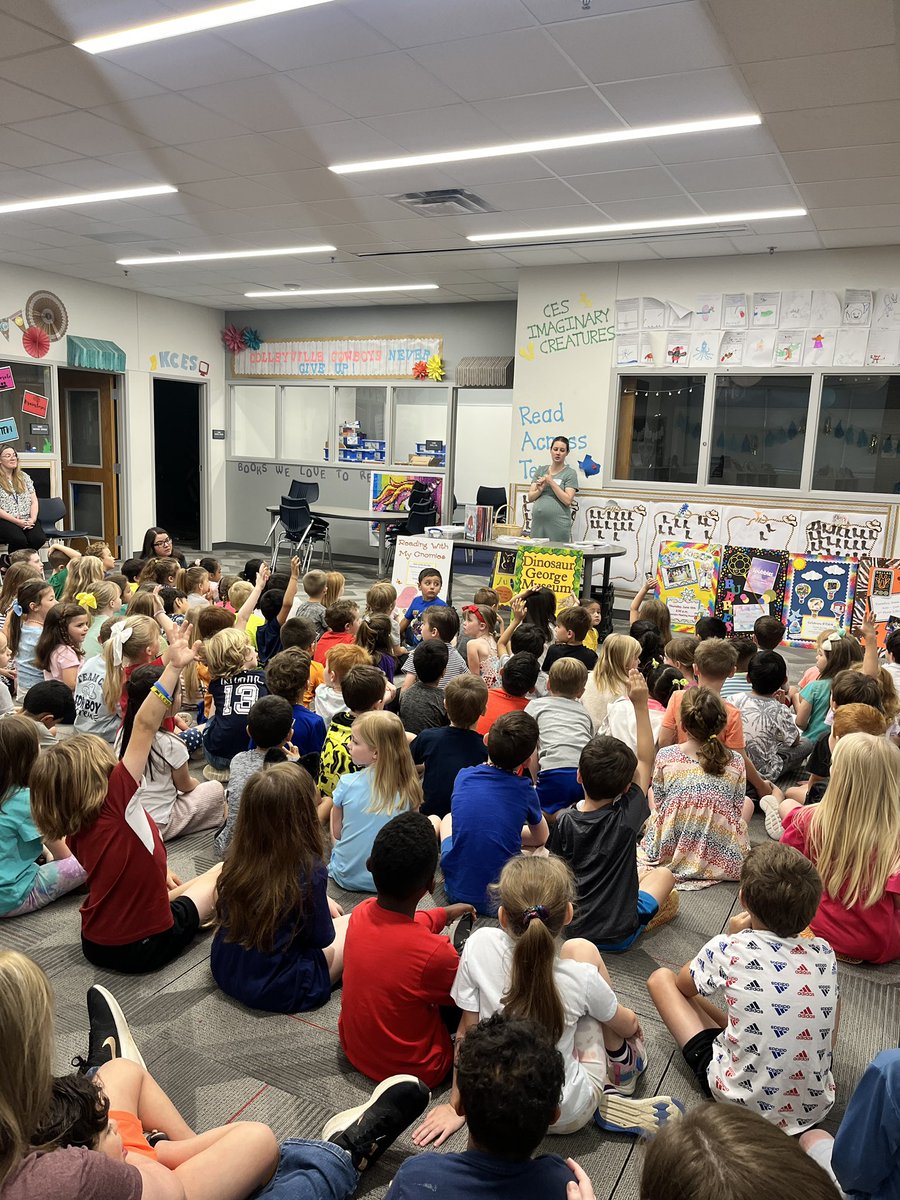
{"x": 750, "y": 576}
{"x": 878, "y": 590}
{"x": 560, "y": 570}
{"x": 819, "y": 596}
{"x": 686, "y": 578}
{"x": 4, "y": 327}
{"x": 18, "y": 318}
{"x": 764, "y": 309}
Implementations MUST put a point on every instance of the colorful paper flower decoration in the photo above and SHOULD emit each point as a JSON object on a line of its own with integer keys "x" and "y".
{"x": 435, "y": 368}
{"x": 233, "y": 339}
{"x": 420, "y": 369}
{"x": 250, "y": 338}
{"x": 35, "y": 341}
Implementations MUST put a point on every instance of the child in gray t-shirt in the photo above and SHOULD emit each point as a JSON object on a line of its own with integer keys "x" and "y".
{"x": 565, "y": 729}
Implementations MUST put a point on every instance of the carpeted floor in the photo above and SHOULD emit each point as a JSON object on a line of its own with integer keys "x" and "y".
{"x": 220, "y": 1061}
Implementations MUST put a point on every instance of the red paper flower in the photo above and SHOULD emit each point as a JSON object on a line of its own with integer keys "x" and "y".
{"x": 420, "y": 369}
{"x": 233, "y": 339}
{"x": 35, "y": 341}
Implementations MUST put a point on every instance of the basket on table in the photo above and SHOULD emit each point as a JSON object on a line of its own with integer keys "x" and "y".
{"x": 504, "y": 530}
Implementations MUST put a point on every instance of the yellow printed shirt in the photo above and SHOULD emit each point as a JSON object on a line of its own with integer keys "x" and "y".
{"x": 335, "y": 761}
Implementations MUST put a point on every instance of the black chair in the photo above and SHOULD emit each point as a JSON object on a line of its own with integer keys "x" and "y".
{"x": 50, "y": 511}
{"x": 304, "y": 491}
{"x": 417, "y": 521}
{"x": 322, "y": 532}
{"x": 296, "y": 523}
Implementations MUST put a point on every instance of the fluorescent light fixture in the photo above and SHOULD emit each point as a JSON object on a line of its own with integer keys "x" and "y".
{"x": 518, "y": 235}
{"x": 161, "y": 189}
{"x": 347, "y": 291}
{"x": 539, "y": 145}
{"x": 209, "y": 18}
{"x": 153, "y": 259}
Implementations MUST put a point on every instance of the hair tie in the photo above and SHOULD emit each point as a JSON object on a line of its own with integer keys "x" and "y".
{"x": 119, "y": 636}
{"x": 17, "y": 608}
{"x": 713, "y": 737}
{"x": 678, "y": 682}
{"x": 538, "y": 912}
{"x": 86, "y": 599}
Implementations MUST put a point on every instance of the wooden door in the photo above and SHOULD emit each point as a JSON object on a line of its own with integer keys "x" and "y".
{"x": 87, "y": 426}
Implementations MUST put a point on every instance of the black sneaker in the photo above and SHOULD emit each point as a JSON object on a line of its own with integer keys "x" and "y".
{"x": 462, "y": 931}
{"x": 366, "y": 1131}
{"x": 110, "y": 1036}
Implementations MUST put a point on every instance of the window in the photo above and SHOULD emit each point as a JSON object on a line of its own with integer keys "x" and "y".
{"x": 305, "y": 422}
{"x": 658, "y": 436}
{"x": 253, "y": 421}
{"x": 420, "y": 425}
{"x": 361, "y": 421}
{"x": 32, "y": 431}
{"x": 858, "y": 442}
{"x": 759, "y": 430}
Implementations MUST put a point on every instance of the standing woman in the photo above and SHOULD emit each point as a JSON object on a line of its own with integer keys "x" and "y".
{"x": 158, "y": 544}
{"x": 552, "y": 493}
{"x": 18, "y": 505}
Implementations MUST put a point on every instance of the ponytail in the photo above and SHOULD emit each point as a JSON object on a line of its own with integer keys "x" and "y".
{"x": 129, "y": 639}
{"x": 703, "y": 717}
{"x": 29, "y": 594}
{"x": 193, "y": 579}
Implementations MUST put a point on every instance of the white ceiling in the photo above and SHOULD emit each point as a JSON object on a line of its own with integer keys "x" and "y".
{"x": 244, "y": 122}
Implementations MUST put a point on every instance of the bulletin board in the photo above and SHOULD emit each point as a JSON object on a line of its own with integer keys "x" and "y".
{"x": 751, "y": 585}
{"x": 687, "y": 574}
{"x": 818, "y": 597}
{"x": 878, "y": 589}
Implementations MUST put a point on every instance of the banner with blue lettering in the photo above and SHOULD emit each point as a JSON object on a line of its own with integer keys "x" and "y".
{"x": 339, "y": 358}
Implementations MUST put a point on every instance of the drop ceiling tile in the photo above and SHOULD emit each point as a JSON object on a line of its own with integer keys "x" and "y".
{"x": 336, "y": 141}
{"x": 500, "y": 64}
{"x": 361, "y": 209}
{"x": 652, "y": 208}
{"x": 885, "y": 236}
{"x": 190, "y": 61}
{"x": 84, "y": 18}
{"x": 84, "y": 133}
{"x": 21, "y": 185}
{"x": 872, "y": 216}
{"x": 754, "y": 171}
{"x": 848, "y": 162}
{"x": 759, "y": 243}
{"x": 24, "y": 150}
{"x": 850, "y": 192}
{"x": 267, "y": 102}
{"x": 591, "y": 159}
{"x": 647, "y": 42}
{"x": 747, "y": 199}
{"x": 93, "y": 174}
{"x": 686, "y": 96}
{"x": 841, "y": 125}
{"x": 615, "y": 252}
{"x": 170, "y": 119}
{"x": 19, "y": 37}
{"x": 771, "y": 29}
{"x": 167, "y": 163}
{"x": 251, "y": 154}
{"x": 700, "y": 147}
{"x": 309, "y": 36}
{"x": 535, "y": 194}
{"x": 484, "y": 171}
{"x": 544, "y": 256}
{"x": 384, "y": 83}
{"x": 625, "y": 185}
{"x": 675, "y": 247}
{"x": 236, "y": 192}
{"x": 451, "y": 127}
{"x": 73, "y": 77}
{"x": 847, "y": 77}
{"x": 20, "y": 104}
{"x": 419, "y": 25}
{"x": 549, "y": 114}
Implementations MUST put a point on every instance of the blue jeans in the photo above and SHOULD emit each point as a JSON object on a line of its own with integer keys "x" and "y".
{"x": 311, "y": 1171}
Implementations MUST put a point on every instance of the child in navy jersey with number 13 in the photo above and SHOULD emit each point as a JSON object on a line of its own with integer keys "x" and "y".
{"x": 236, "y": 683}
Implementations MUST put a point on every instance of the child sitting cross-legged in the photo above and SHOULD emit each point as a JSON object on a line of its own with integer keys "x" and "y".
{"x": 363, "y": 691}
{"x": 342, "y": 619}
{"x": 572, "y": 627}
{"x": 738, "y": 684}
{"x": 429, "y": 581}
{"x": 422, "y": 704}
{"x": 312, "y": 609}
{"x": 771, "y": 1049}
{"x": 564, "y": 730}
{"x": 275, "y": 606}
{"x": 270, "y": 724}
{"x": 518, "y": 677}
{"x": 598, "y": 837}
{"x": 391, "y": 1021}
{"x": 480, "y": 627}
{"x": 441, "y": 753}
{"x": 439, "y": 623}
{"x": 298, "y": 633}
{"x": 773, "y": 741}
{"x": 287, "y": 675}
{"x": 279, "y": 945}
{"x": 523, "y": 969}
{"x": 235, "y": 684}
{"x": 47, "y": 705}
{"x": 339, "y": 660}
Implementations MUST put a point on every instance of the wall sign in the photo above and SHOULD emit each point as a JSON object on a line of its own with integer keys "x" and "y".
{"x": 35, "y": 405}
{"x": 175, "y": 360}
{"x": 9, "y": 431}
{"x": 41, "y": 427}
{"x": 339, "y": 358}
{"x": 7, "y": 383}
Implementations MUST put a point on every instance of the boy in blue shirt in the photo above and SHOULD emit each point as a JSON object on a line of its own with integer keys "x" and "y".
{"x": 494, "y": 813}
{"x": 287, "y": 675}
{"x": 430, "y": 581}
{"x": 440, "y": 754}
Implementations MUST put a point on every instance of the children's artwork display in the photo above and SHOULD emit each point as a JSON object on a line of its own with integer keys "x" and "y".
{"x": 686, "y": 577}
{"x": 818, "y": 596}
{"x": 751, "y": 585}
{"x": 412, "y": 555}
{"x": 391, "y": 492}
{"x": 878, "y": 590}
{"x": 560, "y": 570}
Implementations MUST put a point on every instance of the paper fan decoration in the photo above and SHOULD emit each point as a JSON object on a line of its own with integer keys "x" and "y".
{"x": 233, "y": 339}
{"x": 250, "y": 338}
{"x": 44, "y": 310}
{"x": 435, "y": 368}
{"x": 35, "y": 341}
{"x": 420, "y": 369}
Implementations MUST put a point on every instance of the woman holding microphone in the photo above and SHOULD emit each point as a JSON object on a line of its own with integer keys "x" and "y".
{"x": 551, "y": 495}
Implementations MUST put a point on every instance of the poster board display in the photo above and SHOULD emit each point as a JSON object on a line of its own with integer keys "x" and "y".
{"x": 412, "y": 555}
{"x": 686, "y": 577}
{"x": 391, "y": 491}
{"x": 751, "y": 585}
{"x": 558, "y": 568}
{"x": 878, "y": 589}
{"x": 818, "y": 597}
{"x": 503, "y": 578}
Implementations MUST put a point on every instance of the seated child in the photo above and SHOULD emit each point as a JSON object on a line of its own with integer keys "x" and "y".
{"x": 738, "y": 684}
{"x": 390, "y": 1021}
{"x": 238, "y": 595}
{"x": 363, "y": 691}
{"x": 342, "y": 619}
{"x": 58, "y": 559}
{"x": 381, "y": 601}
{"x": 595, "y": 612}
{"x": 572, "y": 627}
{"x": 773, "y": 741}
{"x": 287, "y": 675}
{"x": 837, "y": 653}
{"x": 518, "y": 676}
{"x": 270, "y": 724}
{"x": 768, "y": 632}
{"x": 384, "y": 784}
{"x": 510, "y": 1080}
{"x": 375, "y": 637}
{"x": 235, "y": 685}
{"x": 275, "y": 607}
{"x": 598, "y": 837}
{"x": 441, "y": 753}
{"x": 618, "y": 655}
{"x": 564, "y": 730}
{"x": 710, "y": 627}
{"x": 338, "y": 661}
{"x": 279, "y": 943}
{"x": 480, "y": 628}
{"x": 430, "y": 581}
{"x": 422, "y": 703}
{"x": 439, "y": 623}
{"x": 300, "y": 634}
{"x": 785, "y": 977}
{"x": 662, "y": 681}
{"x": 494, "y": 812}
{"x": 47, "y": 705}
{"x": 312, "y": 609}
{"x": 679, "y": 653}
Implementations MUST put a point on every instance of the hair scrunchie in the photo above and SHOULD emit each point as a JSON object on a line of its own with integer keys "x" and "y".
{"x": 537, "y": 913}
{"x": 17, "y": 608}
{"x": 119, "y": 636}
{"x": 86, "y": 599}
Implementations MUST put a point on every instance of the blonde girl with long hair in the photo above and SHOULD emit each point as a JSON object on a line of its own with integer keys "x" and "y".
{"x": 525, "y": 969}
{"x": 81, "y": 574}
{"x": 235, "y": 685}
{"x": 137, "y": 916}
{"x": 102, "y": 600}
{"x": 334, "y": 587}
{"x": 698, "y": 828}
{"x": 617, "y": 656}
{"x": 385, "y": 783}
{"x": 853, "y": 838}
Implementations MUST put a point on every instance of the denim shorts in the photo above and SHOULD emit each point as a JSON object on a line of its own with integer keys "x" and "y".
{"x": 311, "y": 1171}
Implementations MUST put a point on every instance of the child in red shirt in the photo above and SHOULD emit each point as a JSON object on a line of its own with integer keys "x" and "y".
{"x": 518, "y": 676}
{"x": 390, "y": 1020}
{"x": 342, "y": 619}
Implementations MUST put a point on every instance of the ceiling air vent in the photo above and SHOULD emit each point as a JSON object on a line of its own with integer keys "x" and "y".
{"x": 446, "y": 202}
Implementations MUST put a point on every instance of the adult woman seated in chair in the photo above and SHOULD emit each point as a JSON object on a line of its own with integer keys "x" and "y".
{"x": 551, "y": 494}
{"x": 19, "y": 526}
{"x": 158, "y": 544}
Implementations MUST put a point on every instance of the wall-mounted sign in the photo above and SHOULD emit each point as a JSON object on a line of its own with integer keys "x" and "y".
{"x": 39, "y": 427}
{"x": 35, "y": 405}
{"x": 218, "y": 435}
{"x": 9, "y": 431}
{"x": 7, "y": 383}
{"x": 337, "y": 358}
{"x": 174, "y": 360}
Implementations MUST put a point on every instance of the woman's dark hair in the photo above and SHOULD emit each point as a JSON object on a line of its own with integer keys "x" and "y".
{"x": 148, "y": 550}
{"x": 540, "y": 610}
{"x": 137, "y": 689}
{"x": 559, "y": 438}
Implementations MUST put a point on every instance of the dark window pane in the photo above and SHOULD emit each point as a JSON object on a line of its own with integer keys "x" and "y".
{"x": 658, "y": 435}
{"x": 759, "y": 430}
{"x": 858, "y": 442}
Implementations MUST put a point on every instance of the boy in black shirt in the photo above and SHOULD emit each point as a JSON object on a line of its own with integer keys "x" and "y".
{"x": 598, "y": 837}
{"x": 572, "y": 627}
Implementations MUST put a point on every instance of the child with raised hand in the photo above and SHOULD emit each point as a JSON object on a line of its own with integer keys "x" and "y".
{"x": 235, "y": 685}
{"x": 662, "y": 681}
{"x": 384, "y": 784}
{"x": 177, "y": 802}
{"x": 572, "y": 627}
{"x": 312, "y": 609}
{"x": 480, "y": 626}
{"x": 618, "y": 656}
{"x": 137, "y": 916}
{"x": 564, "y": 730}
{"x": 329, "y": 700}
{"x": 342, "y": 619}
{"x": 275, "y": 606}
{"x": 536, "y": 607}
{"x": 699, "y": 825}
{"x": 279, "y": 945}
{"x": 770, "y": 973}
{"x": 26, "y": 885}
{"x": 390, "y": 1020}
{"x": 429, "y": 581}
{"x": 441, "y": 753}
{"x": 59, "y": 653}
{"x": 24, "y": 627}
{"x": 853, "y": 838}
{"x": 598, "y": 838}
{"x": 270, "y": 723}
{"x": 653, "y": 610}
{"x": 524, "y": 970}
{"x": 133, "y": 642}
{"x": 837, "y": 652}
{"x": 375, "y": 637}
{"x": 102, "y": 600}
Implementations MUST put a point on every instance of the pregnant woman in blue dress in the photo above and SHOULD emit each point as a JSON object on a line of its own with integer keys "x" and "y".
{"x": 551, "y": 495}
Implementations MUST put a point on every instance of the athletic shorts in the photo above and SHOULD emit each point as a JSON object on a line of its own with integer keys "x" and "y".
{"x": 647, "y": 908}
{"x": 150, "y": 953}
{"x": 698, "y": 1053}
